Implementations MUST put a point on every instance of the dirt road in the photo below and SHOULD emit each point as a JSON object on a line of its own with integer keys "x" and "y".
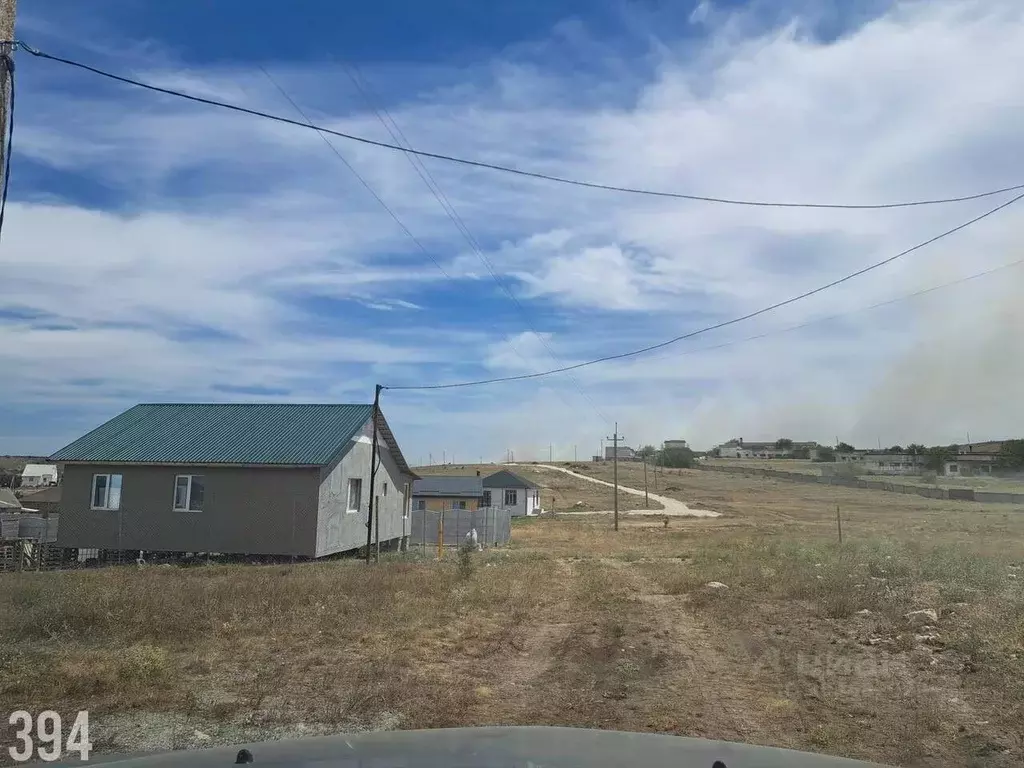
{"x": 672, "y": 507}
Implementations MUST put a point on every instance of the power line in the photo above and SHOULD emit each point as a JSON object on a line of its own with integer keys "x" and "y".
{"x": 355, "y": 173}
{"x": 725, "y": 323}
{"x": 503, "y": 168}
{"x": 879, "y": 305}
{"x": 396, "y": 133}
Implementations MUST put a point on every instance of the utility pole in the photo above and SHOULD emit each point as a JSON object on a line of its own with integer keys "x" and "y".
{"x": 615, "y": 469}
{"x": 7, "y": 13}
{"x": 444, "y": 457}
{"x": 574, "y": 459}
{"x": 646, "y": 502}
{"x": 550, "y": 453}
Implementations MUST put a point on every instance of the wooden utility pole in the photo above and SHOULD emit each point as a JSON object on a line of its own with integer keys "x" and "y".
{"x": 615, "y": 469}
{"x": 839, "y": 524}
{"x": 550, "y": 453}
{"x": 646, "y": 501}
{"x": 7, "y": 12}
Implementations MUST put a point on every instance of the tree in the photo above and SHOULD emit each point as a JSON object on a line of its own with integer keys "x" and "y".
{"x": 1011, "y": 455}
{"x": 896, "y": 449}
{"x": 680, "y": 458}
{"x": 801, "y": 453}
{"x": 845, "y": 448}
{"x": 648, "y": 451}
{"x": 916, "y": 449}
{"x": 825, "y": 454}
{"x": 783, "y": 443}
{"x": 937, "y": 456}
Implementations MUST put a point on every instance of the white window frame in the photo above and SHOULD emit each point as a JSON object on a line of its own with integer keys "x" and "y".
{"x": 486, "y": 498}
{"x": 348, "y": 499}
{"x": 458, "y": 504}
{"x": 188, "y": 494}
{"x": 515, "y": 497}
{"x": 106, "y": 497}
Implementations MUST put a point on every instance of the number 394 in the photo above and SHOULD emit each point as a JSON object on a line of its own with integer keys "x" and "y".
{"x": 49, "y": 733}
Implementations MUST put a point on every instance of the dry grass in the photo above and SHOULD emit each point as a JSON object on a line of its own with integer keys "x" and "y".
{"x": 808, "y": 646}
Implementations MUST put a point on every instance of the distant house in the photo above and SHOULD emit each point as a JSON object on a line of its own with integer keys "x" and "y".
{"x": 273, "y": 479}
{"x": 36, "y": 475}
{"x": 441, "y": 492}
{"x": 670, "y": 445}
{"x": 892, "y": 463}
{"x": 976, "y": 459}
{"x": 507, "y": 489}
{"x": 43, "y": 499}
{"x": 625, "y": 453}
{"x": 738, "y": 448}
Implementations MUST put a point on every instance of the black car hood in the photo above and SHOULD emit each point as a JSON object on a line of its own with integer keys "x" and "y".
{"x": 489, "y": 747}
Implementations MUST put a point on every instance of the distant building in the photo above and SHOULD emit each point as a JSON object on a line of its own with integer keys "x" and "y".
{"x": 976, "y": 459}
{"x": 738, "y": 448}
{"x": 443, "y": 492}
{"x": 674, "y": 444}
{"x": 36, "y": 475}
{"x": 625, "y": 453}
{"x": 893, "y": 463}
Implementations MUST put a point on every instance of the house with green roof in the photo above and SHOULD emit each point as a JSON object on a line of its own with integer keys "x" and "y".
{"x": 255, "y": 479}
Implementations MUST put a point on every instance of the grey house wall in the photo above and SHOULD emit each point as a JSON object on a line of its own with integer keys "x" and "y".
{"x": 339, "y": 530}
{"x": 252, "y": 510}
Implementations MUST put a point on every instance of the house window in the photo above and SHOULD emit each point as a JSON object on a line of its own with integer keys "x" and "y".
{"x": 419, "y": 504}
{"x": 355, "y": 494}
{"x": 511, "y": 497}
{"x": 487, "y": 498}
{"x": 106, "y": 492}
{"x": 189, "y": 491}
{"x": 385, "y": 490}
{"x": 458, "y": 505}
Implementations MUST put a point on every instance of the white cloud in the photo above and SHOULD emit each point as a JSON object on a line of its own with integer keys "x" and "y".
{"x": 241, "y": 251}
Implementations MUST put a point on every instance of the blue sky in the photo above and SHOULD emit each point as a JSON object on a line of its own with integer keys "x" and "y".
{"x": 162, "y": 250}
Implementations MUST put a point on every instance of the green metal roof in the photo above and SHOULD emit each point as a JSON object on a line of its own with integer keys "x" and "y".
{"x": 221, "y": 433}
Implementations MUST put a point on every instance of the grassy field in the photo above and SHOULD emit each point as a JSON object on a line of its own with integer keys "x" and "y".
{"x": 808, "y": 645}
{"x": 981, "y": 483}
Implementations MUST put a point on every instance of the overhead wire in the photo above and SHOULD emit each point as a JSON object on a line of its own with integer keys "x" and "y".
{"x": 840, "y": 315}
{"x": 356, "y": 173}
{"x": 724, "y": 323}
{"x": 396, "y": 133}
{"x": 504, "y": 168}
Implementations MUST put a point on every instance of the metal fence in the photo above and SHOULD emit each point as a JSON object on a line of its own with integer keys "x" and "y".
{"x": 493, "y": 526}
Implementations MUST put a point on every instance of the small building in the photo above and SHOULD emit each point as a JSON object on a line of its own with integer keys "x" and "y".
{"x": 37, "y": 475}
{"x": 892, "y": 463}
{"x": 624, "y": 452}
{"x": 255, "y": 479}
{"x": 442, "y": 492}
{"x": 45, "y": 500}
{"x": 507, "y": 489}
{"x": 670, "y": 445}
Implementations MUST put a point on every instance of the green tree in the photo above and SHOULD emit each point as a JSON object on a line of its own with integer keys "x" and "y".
{"x": 648, "y": 451}
{"x": 679, "y": 458}
{"x": 825, "y": 454}
{"x": 916, "y": 449}
{"x": 1011, "y": 455}
{"x": 783, "y": 443}
{"x": 937, "y": 456}
{"x": 845, "y": 448}
{"x": 896, "y": 449}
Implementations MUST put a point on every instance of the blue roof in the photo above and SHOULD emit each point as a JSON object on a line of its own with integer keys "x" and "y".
{"x": 221, "y": 433}
{"x": 449, "y": 485}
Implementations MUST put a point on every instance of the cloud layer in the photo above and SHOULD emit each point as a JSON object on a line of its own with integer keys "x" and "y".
{"x": 162, "y": 250}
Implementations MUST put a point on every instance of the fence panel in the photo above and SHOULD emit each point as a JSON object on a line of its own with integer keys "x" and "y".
{"x": 493, "y": 526}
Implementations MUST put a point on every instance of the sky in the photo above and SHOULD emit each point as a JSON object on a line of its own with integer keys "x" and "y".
{"x": 157, "y": 250}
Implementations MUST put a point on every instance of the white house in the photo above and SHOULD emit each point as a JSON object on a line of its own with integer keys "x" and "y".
{"x": 35, "y": 475}
{"x": 507, "y": 489}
